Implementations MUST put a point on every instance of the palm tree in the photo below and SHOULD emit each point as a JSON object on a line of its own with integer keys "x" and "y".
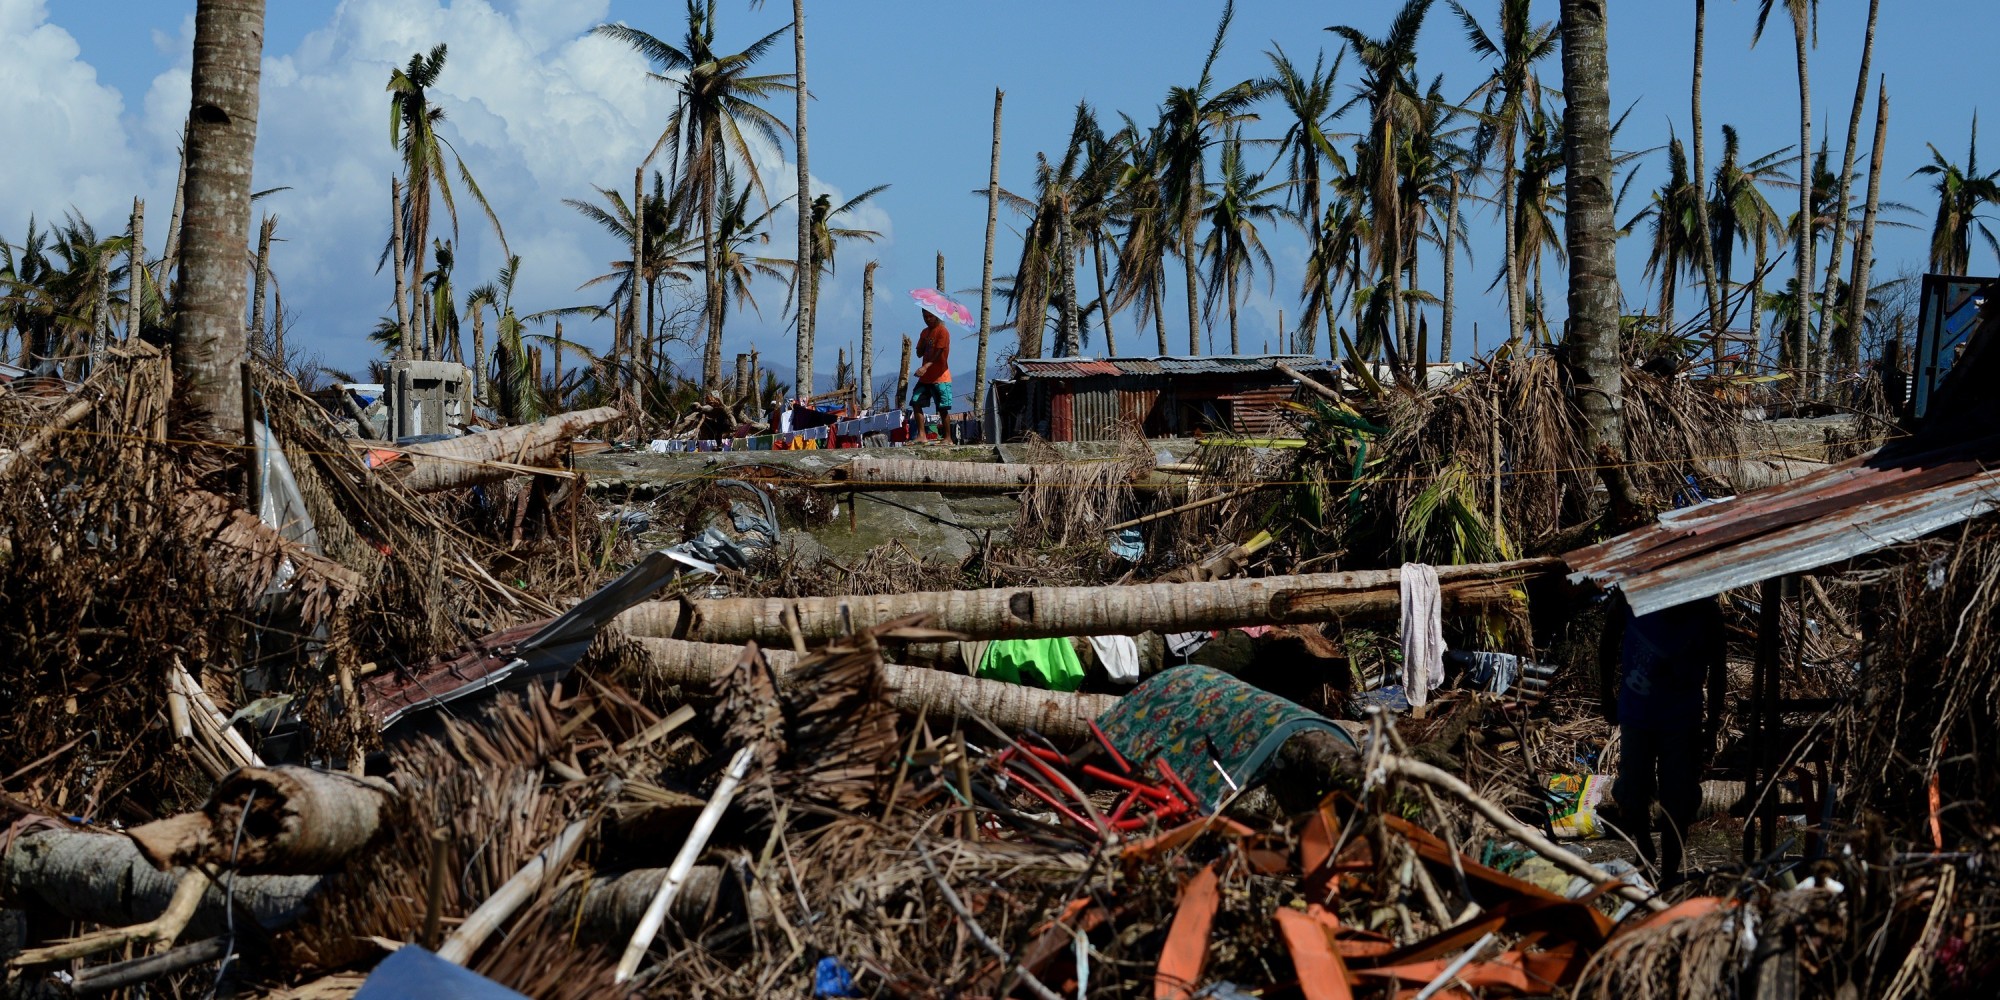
{"x": 717, "y": 104}
{"x": 1846, "y": 352}
{"x": 1675, "y": 246}
{"x": 1704, "y": 232}
{"x": 1512, "y": 95}
{"x": 1078, "y": 184}
{"x": 1538, "y": 197}
{"x": 736, "y": 230}
{"x": 1593, "y": 355}
{"x": 1140, "y": 201}
{"x": 827, "y": 236}
{"x": 1394, "y": 106}
{"x": 1962, "y": 191}
{"x": 666, "y": 245}
{"x": 1234, "y": 248}
{"x": 1427, "y": 163}
{"x": 1804, "y": 16}
{"x": 1189, "y": 117}
{"x": 208, "y": 344}
{"x": 1305, "y": 147}
{"x": 514, "y": 370}
{"x": 1738, "y": 213}
{"x": 413, "y": 122}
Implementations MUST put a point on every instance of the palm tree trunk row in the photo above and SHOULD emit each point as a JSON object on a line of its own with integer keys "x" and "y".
{"x": 1864, "y": 246}
{"x": 1845, "y": 345}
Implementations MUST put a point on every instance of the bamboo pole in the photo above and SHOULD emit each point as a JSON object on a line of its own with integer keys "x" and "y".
{"x": 704, "y": 827}
{"x": 464, "y": 942}
{"x": 933, "y": 693}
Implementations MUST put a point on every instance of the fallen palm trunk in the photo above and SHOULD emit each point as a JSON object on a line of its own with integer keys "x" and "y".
{"x": 607, "y": 910}
{"x": 293, "y": 820}
{"x": 921, "y": 474}
{"x": 495, "y": 455}
{"x": 939, "y": 695}
{"x": 1053, "y": 612}
{"x": 102, "y": 878}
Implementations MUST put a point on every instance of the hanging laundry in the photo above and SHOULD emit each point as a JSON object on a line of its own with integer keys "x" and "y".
{"x": 1119, "y": 656}
{"x": 1423, "y": 633}
{"x": 1044, "y": 663}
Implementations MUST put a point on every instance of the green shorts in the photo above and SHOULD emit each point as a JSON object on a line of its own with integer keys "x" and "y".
{"x": 932, "y": 392}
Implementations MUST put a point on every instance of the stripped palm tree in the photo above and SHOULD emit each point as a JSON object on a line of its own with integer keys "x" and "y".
{"x": 715, "y": 113}
{"x": 1305, "y": 148}
{"x": 1961, "y": 192}
{"x": 1512, "y": 96}
{"x": 828, "y": 233}
{"x": 1190, "y": 118}
{"x": 1741, "y": 216}
{"x": 1804, "y": 16}
{"x": 413, "y": 131}
{"x": 1076, "y": 185}
{"x": 1235, "y": 248}
{"x": 1390, "y": 94}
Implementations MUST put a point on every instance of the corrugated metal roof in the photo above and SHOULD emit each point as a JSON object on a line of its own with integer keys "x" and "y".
{"x": 1207, "y": 364}
{"x": 1860, "y": 506}
{"x": 1946, "y": 474}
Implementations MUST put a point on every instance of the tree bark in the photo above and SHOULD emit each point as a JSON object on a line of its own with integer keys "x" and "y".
{"x": 1864, "y": 246}
{"x": 403, "y": 333}
{"x": 868, "y": 334}
{"x": 629, "y": 372}
{"x": 1229, "y": 289}
{"x": 171, "y": 255}
{"x": 479, "y": 352}
{"x": 940, "y": 696}
{"x": 1450, "y": 274}
{"x": 1802, "y": 310}
{"x": 1048, "y": 612}
{"x": 259, "y": 331}
{"x": 102, "y": 878}
{"x": 1103, "y": 301}
{"x": 1516, "y": 297}
{"x": 807, "y": 266}
{"x": 222, "y": 141}
{"x": 1705, "y": 238}
{"x": 1757, "y": 291}
{"x": 1160, "y": 310}
{"x": 469, "y": 460}
{"x": 294, "y": 821}
{"x": 135, "y": 272}
{"x": 1187, "y": 259}
{"x": 1845, "y": 342}
{"x": 1591, "y": 342}
{"x": 951, "y": 477}
{"x": 711, "y": 354}
{"x": 1066, "y": 323}
{"x": 940, "y": 274}
{"x": 903, "y": 375}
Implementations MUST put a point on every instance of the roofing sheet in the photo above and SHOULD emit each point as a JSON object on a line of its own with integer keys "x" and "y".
{"x": 1857, "y": 507}
{"x": 1208, "y": 364}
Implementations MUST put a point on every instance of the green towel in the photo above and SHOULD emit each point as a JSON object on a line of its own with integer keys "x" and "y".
{"x": 1044, "y": 663}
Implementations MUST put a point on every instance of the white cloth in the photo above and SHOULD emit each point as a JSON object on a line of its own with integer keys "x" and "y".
{"x": 1119, "y": 656}
{"x": 1423, "y": 633}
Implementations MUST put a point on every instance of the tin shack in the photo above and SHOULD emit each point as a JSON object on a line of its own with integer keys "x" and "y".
{"x": 1090, "y": 399}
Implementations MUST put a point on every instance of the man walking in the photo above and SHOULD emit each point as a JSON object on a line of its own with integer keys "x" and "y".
{"x": 934, "y": 377}
{"x": 1664, "y": 660}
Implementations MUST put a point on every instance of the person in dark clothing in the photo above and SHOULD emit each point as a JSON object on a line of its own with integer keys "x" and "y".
{"x": 1664, "y": 660}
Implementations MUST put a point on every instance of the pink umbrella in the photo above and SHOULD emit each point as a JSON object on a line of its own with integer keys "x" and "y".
{"x": 939, "y": 305}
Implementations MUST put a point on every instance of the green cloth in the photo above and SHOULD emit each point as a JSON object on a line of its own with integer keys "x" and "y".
{"x": 1044, "y": 663}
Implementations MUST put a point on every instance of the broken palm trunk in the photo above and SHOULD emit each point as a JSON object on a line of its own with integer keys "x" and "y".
{"x": 293, "y": 820}
{"x": 963, "y": 477}
{"x": 494, "y": 455}
{"x": 1058, "y": 612}
{"x": 939, "y": 695}
{"x": 104, "y": 879}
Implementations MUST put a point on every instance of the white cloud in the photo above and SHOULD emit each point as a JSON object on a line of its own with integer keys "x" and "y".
{"x": 539, "y": 109}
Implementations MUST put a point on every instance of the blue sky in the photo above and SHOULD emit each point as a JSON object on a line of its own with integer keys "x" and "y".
{"x": 903, "y": 96}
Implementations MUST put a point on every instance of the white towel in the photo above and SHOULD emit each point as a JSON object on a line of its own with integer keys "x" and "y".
{"x": 1119, "y": 655}
{"x": 1423, "y": 633}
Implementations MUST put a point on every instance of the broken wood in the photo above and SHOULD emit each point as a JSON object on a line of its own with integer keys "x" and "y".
{"x": 102, "y": 878}
{"x": 293, "y": 820}
{"x": 1056, "y": 714}
{"x": 956, "y": 477}
{"x": 464, "y": 942}
{"x": 606, "y": 909}
{"x": 697, "y": 841}
{"x": 1055, "y": 612}
{"x": 495, "y": 455}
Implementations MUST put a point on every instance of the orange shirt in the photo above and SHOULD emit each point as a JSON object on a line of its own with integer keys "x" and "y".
{"x": 934, "y": 349}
